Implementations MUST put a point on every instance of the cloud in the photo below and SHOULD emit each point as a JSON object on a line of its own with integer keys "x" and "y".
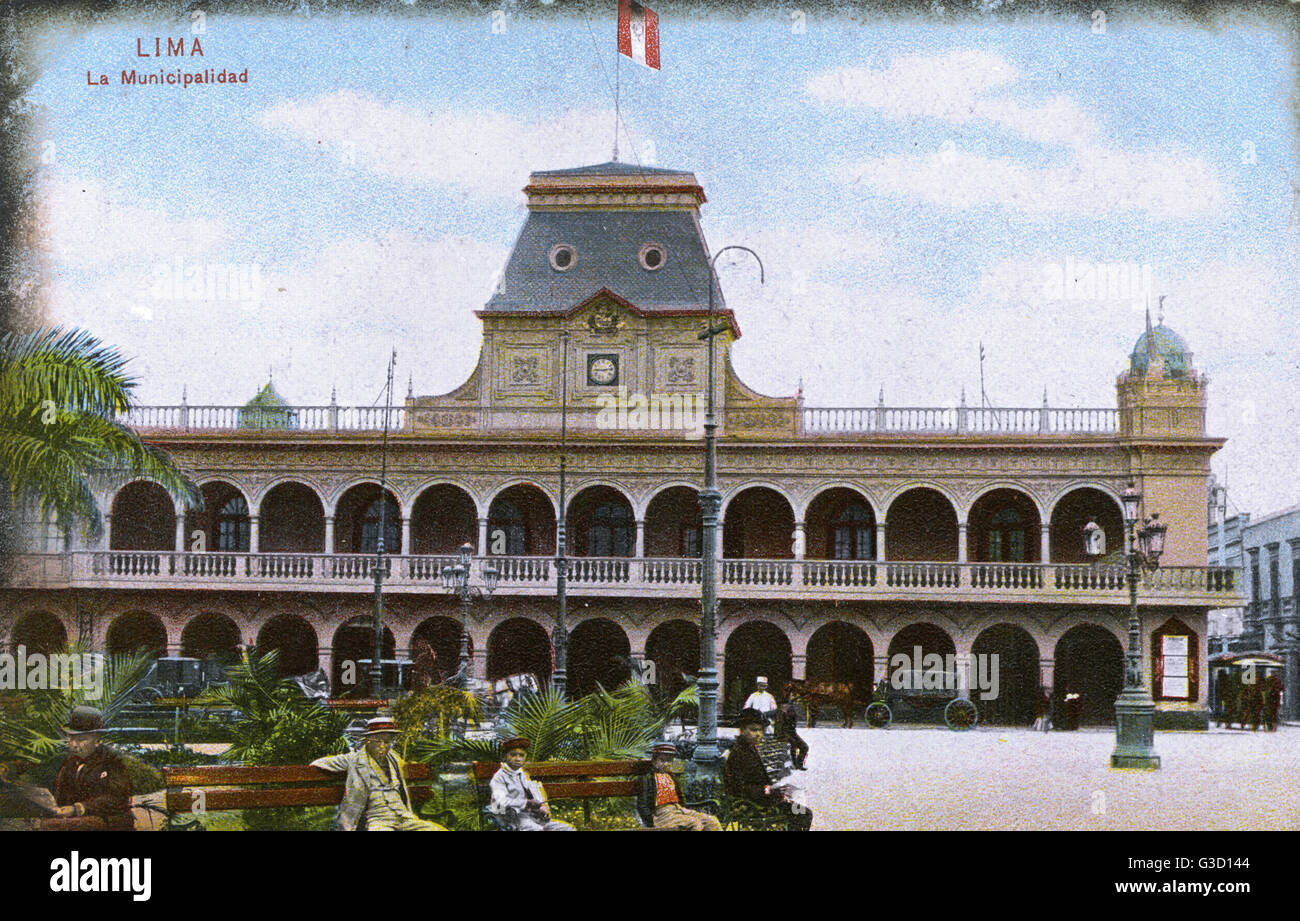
{"x": 477, "y": 151}
{"x": 953, "y": 87}
{"x": 329, "y": 323}
{"x": 1095, "y": 182}
{"x": 86, "y": 223}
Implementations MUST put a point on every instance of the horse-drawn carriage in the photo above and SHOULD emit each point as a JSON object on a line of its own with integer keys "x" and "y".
{"x": 915, "y": 697}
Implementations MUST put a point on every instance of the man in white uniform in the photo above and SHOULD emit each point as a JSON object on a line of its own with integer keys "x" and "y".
{"x": 762, "y": 701}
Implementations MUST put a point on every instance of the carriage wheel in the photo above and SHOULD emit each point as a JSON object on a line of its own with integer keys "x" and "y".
{"x": 960, "y": 715}
{"x": 879, "y": 716}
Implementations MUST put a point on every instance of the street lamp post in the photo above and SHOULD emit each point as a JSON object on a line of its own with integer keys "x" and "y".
{"x": 706, "y": 748}
{"x": 456, "y": 579}
{"x": 1134, "y": 708}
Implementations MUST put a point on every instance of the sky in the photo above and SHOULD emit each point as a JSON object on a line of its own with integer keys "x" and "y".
{"x": 912, "y": 187}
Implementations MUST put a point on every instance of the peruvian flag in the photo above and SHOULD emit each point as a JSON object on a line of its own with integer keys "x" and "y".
{"x": 638, "y": 33}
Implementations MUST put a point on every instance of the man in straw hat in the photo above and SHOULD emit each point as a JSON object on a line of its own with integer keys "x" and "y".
{"x": 93, "y": 780}
{"x": 375, "y": 797}
{"x": 660, "y": 801}
{"x": 518, "y": 801}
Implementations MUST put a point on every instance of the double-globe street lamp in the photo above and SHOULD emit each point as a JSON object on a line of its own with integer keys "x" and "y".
{"x": 706, "y": 755}
{"x": 457, "y": 579}
{"x": 1134, "y": 708}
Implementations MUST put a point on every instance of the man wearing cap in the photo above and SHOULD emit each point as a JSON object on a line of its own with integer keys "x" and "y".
{"x": 375, "y": 797}
{"x": 660, "y": 801}
{"x": 518, "y": 800}
{"x": 747, "y": 778}
{"x": 93, "y": 780}
{"x": 761, "y": 700}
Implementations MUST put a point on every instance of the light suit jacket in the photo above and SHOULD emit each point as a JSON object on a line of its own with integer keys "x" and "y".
{"x": 364, "y": 776}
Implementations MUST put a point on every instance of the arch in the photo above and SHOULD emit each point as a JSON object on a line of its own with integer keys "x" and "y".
{"x": 840, "y": 524}
{"x": 443, "y": 517}
{"x": 1019, "y": 682}
{"x": 38, "y": 631}
{"x": 136, "y": 631}
{"x": 521, "y": 521}
{"x": 598, "y": 653}
{"x": 357, "y": 516}
{"x": 674, "y": 647}
{"x": 223, "y": 518}
{"x": 1004, "y": 526}
{"x": 1090, "y": 663}
{"x": 921, "y": 525}
{"x": 354, "y": 641}
{"x": 601, "y": 523}
{"x": 291, "y": 519}
{"x": 931, "y": 638}
{"x": 294, "y": 639}
{"x": 519, "y": 645}
{"x": 443, "y": 635}
{"x": 211, "y": 636}
{"x": 756, "y": 647}
{"x": 841, "y": 652}
{"x": 144, "y": 518}
{"x": 758, "y": 525}
{"x": 1072, "y": 510}
{"x": 673, "y": 526}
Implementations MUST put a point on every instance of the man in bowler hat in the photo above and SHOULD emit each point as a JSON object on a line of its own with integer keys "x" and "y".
{"x": 93, "y": 780}
{"x": 746, "y": 777}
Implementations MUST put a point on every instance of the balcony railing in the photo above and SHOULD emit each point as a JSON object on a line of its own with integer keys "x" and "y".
{"x": 806, "y": 420}
{"x": 630, "y": 576}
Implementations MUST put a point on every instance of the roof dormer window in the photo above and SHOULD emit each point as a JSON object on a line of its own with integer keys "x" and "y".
{"x": 562, "y": 257}
{"x": 652, "y": 256}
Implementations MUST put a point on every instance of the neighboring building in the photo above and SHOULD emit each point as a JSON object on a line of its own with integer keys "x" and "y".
{"x": 1224, "y": 549}
{"x": 848, "y": 534}
{"x": 1267, "y": 551}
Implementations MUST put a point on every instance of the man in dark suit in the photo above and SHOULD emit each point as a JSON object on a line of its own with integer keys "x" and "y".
{"x": 93, "y": 780}
{"x": 747, "y": 778}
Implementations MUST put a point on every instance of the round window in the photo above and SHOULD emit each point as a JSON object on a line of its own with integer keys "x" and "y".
{"x": 652, "y": 256}
{"x": 562, "y": 257}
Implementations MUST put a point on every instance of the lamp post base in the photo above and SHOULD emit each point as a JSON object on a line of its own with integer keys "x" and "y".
{"x": 1134, "y": 733}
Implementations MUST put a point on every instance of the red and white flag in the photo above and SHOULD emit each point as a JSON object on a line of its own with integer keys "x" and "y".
{"x": 638, "y": 33}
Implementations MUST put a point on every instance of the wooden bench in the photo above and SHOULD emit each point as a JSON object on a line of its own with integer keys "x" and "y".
{"x": 570, "y": 780}
{"x": 226, "y": 787}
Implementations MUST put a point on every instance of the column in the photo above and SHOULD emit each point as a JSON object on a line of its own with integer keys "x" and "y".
{"x": 254, "y": 536}
{"x": 107, "y": 537}
{"x": 482, "y": 537}
{"x": 329, "y": 533}
{"x": 881, "y": 669}
{"x": 880, "y": 542}
{"x": 799, "y": 544}
{"x": 1045, "y": 544}
{"x": 798, "y": 666}
{"x": 406, "y": 536}
{"x": 181, "y": 544}
{"x": 717, "y": 555}
{"x": 1047, "y": 673}
{"x": 961, "y": 542}
{"x": 640, "y": 538}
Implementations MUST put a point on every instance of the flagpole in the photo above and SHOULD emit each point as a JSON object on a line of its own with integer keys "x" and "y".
{"x": 617, "y": 68}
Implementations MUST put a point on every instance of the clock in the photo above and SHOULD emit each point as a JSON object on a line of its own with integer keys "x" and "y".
{"x": 602, "y": 370}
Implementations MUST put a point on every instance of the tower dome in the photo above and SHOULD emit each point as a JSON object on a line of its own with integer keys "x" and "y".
{"x": 1162, "y": 347}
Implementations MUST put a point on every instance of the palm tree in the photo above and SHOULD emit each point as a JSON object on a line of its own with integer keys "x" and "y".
{"x": 62, "y": 392}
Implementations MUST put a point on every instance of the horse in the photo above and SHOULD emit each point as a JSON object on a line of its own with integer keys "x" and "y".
{"x": 841, "y": 694}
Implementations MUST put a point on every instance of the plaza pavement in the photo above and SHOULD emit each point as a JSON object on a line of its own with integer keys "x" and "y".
{"x": 994, "y": 778}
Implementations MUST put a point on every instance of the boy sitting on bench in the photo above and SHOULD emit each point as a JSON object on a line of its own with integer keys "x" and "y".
{"x": 660, "y": 801}
{"x": 518, "y": 801}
